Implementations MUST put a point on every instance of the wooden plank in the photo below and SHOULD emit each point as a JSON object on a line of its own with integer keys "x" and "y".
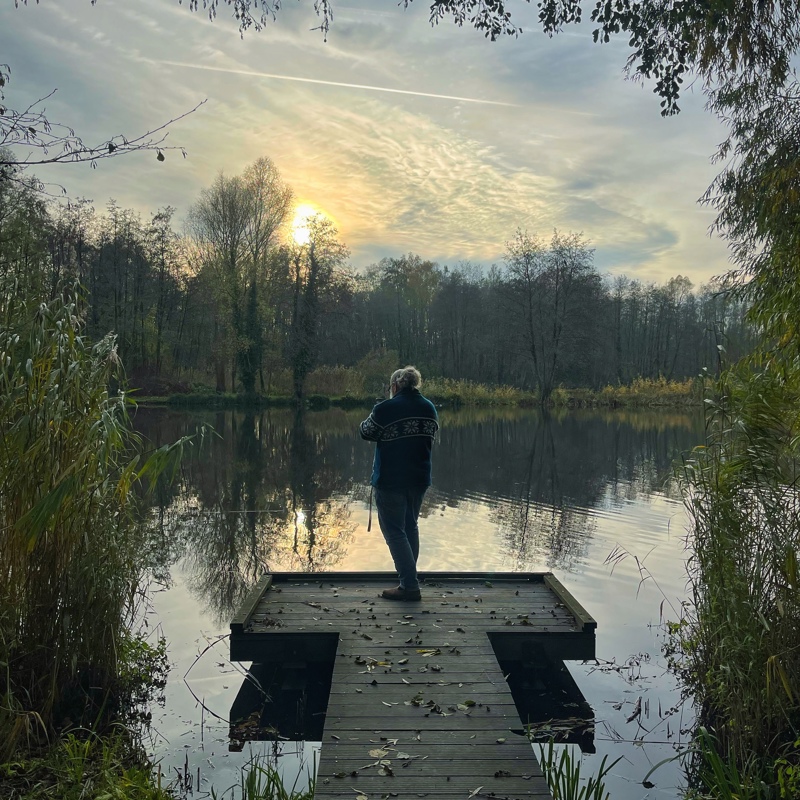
{"x": 327, "y": 577}
{"x": 397, "y": 792}
{"x": 579, "y": 612}
{"x": 501, "y": 726}
{"x": 450, "y": 782}
{"x": 512, "y": 747}
{"x": 250, "y": 603}
{"x": 418, "y": 737}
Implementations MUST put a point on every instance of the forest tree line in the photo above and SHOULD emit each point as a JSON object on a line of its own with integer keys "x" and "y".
{"x": 235, "y": 300}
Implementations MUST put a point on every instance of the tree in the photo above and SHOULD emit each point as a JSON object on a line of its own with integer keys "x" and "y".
{"x": 548, "y": 284}
{"x": 28, "y": 138}
{"x": 235, "y": 224}
{"x": 312, "y": 266}
{"x": 668, "y": 40}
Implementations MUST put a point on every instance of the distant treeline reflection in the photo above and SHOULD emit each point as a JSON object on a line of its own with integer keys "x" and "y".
{"x": 278, "y": 490}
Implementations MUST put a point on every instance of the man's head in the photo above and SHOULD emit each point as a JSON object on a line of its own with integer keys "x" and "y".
{"x": 405, "y": 378}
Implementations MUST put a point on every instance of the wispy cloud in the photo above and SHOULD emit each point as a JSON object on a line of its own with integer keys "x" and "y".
{"x": 527, "y": 133}
{"x": 320, "y": 82}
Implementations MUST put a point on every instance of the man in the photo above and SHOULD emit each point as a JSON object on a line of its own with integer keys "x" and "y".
{"x": 403, "y": 427}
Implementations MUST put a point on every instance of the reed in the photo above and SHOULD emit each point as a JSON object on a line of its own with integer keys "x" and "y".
{"x": 70, "y": 557}
{"x": 262, "y": 781}
{"x": 563, "y": 774}
{"x": 738, "y": 646}
{"x": 467, "y": 393}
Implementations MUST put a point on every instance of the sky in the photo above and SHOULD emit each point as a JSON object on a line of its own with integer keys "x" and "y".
{"x": 412, "y": 138}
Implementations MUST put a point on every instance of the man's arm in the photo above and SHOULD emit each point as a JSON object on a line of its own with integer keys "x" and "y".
{"x": 370, "y": 429}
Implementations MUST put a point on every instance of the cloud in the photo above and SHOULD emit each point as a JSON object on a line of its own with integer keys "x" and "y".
{"x": 411, "y": 137}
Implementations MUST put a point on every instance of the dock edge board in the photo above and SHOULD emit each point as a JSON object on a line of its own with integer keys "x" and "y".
{"x": 582, "y": 616}
{"x": 251, "y": 601}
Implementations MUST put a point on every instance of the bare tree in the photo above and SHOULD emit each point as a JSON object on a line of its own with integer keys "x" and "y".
{"x": 547, "y": 286}
{"x": 235, "y": 223}
{"x": 29, "y": 138}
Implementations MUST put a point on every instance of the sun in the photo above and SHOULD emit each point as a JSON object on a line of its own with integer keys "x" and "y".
{"x": 302, "y": 215}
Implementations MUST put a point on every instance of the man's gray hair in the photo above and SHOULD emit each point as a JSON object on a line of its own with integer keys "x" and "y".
{"x": 406, "y": 378}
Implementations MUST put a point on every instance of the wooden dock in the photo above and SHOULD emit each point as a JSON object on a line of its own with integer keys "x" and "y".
{"x": 418, "y": 705}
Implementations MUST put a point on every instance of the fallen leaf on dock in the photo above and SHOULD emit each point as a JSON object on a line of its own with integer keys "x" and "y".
{"x": 474, "y": 792}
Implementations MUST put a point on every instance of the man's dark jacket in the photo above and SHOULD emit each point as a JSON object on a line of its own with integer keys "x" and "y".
{"x": 404, "y": 428}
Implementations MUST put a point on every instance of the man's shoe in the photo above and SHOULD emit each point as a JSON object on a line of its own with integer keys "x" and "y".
{"x": 399, "y": 593}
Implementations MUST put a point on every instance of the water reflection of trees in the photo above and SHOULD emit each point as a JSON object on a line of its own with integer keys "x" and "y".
{"x": 273, "y": 490}
{"x": 264, "y": 493}
{"x": 544, "y": 474}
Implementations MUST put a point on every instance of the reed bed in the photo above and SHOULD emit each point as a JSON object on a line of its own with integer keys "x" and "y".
{"x": 738, "y": 646}
{"x": 70, "y": 557}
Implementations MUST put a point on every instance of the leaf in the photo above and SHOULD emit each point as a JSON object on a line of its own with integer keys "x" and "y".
{"x": 474, "y": 792}
{"x": 500, "y": 741}
{"x": 160, "y": 156}
{"x": 379, "y": 753}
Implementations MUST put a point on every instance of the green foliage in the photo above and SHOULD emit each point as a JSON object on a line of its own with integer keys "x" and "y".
{"x": 261, "y": 781}
{"x": 83, "y": 765}
{"x": 563, "y": 774}
{"x": 722, "y": 778}
{"x": 71, "y": 550}
{"x": 739, "y": 643}
{"x": 466, "y": 393}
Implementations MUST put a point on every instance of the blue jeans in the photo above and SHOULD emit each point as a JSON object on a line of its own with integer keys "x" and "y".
{"x": 398, "y": 511}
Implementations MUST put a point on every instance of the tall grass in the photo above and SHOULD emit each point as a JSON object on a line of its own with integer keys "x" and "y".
{"x": 69, "y": 564}
{"x": 739, "y": 643}
{"x": 81, "y": 767}
{"x": 262, "y": 781}
{"x": 562, "y": 771}
{"x": 468, "y": 393}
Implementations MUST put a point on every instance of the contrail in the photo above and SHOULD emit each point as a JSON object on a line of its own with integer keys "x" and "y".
{"x": 335, "y": 83}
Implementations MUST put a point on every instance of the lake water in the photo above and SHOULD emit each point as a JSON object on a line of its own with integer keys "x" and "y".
{"x": 587, "y": 495}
